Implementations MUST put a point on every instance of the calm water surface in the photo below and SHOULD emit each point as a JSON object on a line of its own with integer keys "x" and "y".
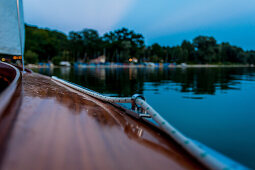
{"x": 215, "y": 106}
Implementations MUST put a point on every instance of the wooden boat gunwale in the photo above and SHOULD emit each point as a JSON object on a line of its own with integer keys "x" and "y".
{"x": 7, "y": 94}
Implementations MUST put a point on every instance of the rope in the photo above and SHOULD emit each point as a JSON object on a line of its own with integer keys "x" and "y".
{"x": 93, "y": 93}
{"x": 200, "y": 154}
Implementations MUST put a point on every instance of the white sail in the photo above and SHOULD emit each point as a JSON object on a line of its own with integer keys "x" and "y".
{"x": 12, "y": 31}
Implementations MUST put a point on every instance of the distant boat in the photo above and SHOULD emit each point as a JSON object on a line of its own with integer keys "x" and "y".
{"x": 49, "y": 123}
{"x": 150, "y": 64}
{"x": 183, "y": 65}
{"x": 65, "y": 63}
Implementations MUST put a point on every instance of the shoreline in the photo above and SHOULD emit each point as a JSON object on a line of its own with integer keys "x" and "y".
{"x": 31, "y": 66}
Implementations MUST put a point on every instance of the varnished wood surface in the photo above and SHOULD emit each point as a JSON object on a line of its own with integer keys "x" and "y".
{"x": 49, "y": 126}
{"x": 7, "y": 72}
{"x": 9, "y": 80}
{"x": 7, "y": 75}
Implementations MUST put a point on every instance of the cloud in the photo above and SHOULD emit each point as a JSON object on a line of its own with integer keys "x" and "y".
{"x": 69, "y": 15}
{"x": 199, "y": 14}
{"x": 163, "y": 21}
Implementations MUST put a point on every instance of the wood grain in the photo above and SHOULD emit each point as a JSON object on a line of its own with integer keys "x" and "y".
{"x": 59, "y": 128}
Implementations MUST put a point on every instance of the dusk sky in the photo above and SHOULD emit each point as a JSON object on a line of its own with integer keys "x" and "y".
{"x": 167, "y": 22}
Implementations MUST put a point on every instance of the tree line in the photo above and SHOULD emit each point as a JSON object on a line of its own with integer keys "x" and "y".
{"x": 43, "y": 45}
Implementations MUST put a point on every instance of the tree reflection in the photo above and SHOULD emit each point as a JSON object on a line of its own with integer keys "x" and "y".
{"x": 128, "y": 81}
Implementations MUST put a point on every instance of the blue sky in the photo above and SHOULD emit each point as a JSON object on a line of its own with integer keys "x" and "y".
{"x": 167, "y": 22}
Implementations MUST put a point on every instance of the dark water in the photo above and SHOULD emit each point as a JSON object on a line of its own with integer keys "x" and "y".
{"x": 215, "y": 106}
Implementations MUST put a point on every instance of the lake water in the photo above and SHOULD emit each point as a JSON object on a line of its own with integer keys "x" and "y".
{"x": 215, "y": 106}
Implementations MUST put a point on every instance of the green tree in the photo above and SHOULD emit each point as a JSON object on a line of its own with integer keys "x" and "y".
{"x": 31, "y": 57}
{"x": 92, "y": 43}
{"x": 189, "y": 52}
{"x": 123, "y": 44}
{"x": 157, "y": 53}
{"x": 205, "y": 49}
{"x": 178, "y": 54}
{"x": 251, "y": 58}
{"x": 44, "y": 42}
{"x": 56, "y": 60}
{"x": 75, "y": 45}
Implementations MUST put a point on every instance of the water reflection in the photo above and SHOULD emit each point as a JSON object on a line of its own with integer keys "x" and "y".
{"x": 127, "y": 81}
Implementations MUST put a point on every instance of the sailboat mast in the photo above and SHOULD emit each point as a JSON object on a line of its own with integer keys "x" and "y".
{"x": 20, "y": 37}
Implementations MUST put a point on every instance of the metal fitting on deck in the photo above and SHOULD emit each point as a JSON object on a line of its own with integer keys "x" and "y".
{"x": 135, "y": 96}
{"x": 135, "y": 107}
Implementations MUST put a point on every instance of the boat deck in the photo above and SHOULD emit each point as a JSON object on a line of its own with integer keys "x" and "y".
{"x": 50, "y": 126}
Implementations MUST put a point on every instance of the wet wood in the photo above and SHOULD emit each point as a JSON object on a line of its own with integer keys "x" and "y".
{"x": 56, "y": 127}
{"x": 7, "y": 74}
{"x": 9, "y": 80}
